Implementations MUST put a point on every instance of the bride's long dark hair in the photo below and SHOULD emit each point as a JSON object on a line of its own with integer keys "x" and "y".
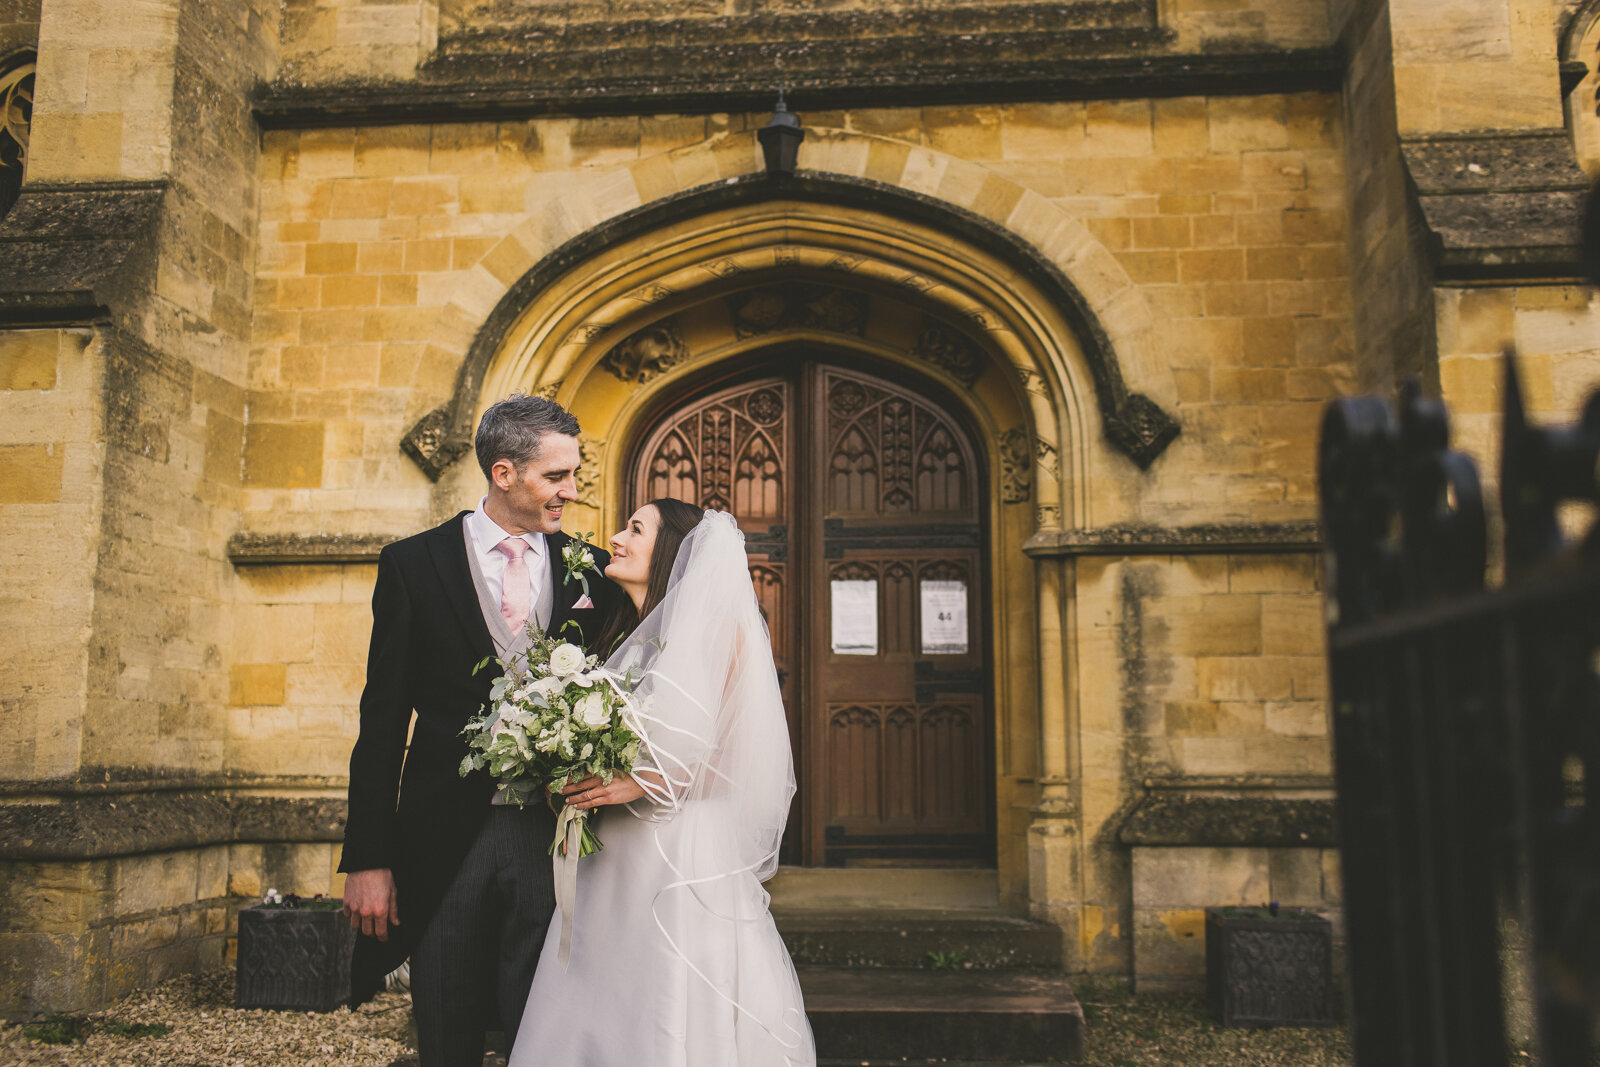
{"x": 678, "y": 517}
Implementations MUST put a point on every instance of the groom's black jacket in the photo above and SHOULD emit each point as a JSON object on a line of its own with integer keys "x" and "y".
{"x": 428, "y": 634}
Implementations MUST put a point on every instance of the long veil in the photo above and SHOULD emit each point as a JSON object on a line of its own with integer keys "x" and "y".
{"x": 719, "y": 777}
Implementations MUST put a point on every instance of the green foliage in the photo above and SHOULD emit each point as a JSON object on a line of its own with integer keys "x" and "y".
{"x": 58, "y": 1029}
{"x": 544, "y": 729}
{"x": 70, "y": 1029}
{"x": 947, "y": 961}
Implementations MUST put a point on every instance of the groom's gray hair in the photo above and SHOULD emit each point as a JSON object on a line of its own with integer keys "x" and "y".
{"x": 514, "y": 429}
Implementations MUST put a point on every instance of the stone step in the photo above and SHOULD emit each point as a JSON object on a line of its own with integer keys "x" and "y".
{"x": 898, "y": 1015}
{"x": 962, "y": 940}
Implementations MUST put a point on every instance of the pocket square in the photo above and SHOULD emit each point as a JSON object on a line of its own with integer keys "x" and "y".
{"x": 583, "y": 602}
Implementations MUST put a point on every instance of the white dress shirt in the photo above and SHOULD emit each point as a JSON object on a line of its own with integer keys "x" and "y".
{"x": 485, "y": 534}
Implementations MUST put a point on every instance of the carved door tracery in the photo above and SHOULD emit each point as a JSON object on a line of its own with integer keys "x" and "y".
{"x": 839, "y": 475}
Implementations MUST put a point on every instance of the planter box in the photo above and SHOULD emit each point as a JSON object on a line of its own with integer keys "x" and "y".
{"x": 1264, "y": 970}
{"x": 296, "y": 959}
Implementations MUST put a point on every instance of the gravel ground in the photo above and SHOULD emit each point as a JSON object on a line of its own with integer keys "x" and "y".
{"x": 208, "y": 1031}
{"x": 1128, "y": 1031}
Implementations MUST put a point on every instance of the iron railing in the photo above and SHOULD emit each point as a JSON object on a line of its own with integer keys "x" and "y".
{"x": 1464, "y": 720}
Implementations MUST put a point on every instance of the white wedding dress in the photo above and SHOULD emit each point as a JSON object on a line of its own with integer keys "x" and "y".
{"x": 675, "y": 961}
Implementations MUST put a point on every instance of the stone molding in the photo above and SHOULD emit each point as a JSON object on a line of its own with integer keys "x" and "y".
{"x": 61, "y": 244}
{"x": 93, "y": 827}
{"x": 1500, "y": 204}
{"x": 1133, "y": 423}
{"x": 960, "y": 77}
{"x": 1233, "y": 812}
{"x": 255, "y": 549}
{"x": 1135, "y": 539}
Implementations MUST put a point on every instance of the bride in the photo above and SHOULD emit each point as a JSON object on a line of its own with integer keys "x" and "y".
{"x": 675, "y": 961}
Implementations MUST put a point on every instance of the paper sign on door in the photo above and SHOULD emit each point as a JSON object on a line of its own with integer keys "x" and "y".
{"x": 855, "y": 617}
{"x": 944, "y": 618}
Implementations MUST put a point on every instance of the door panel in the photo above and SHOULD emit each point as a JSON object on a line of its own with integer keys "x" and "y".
{"x": 841, "y": 476}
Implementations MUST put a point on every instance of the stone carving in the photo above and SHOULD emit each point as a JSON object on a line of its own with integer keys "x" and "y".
{"x": 1141, "y": 429}
{"x": 433, "y": 444}
{"x": 1046, "y": 454}
{"x": 1048, "y": 516}
{"x": 845, "y": 263}
{"x": 549, "y": 389}
{"x": 591, "y": 453}
{"x": 723, "y": 268}
{"x": 797, "y": 307}
{"x": 653, "y": 350}
{"x": 587, "y": 332}
{"x": 650, "y": 294}
{"x": 949, "y": 351}
{"x": 1016, "y": 466}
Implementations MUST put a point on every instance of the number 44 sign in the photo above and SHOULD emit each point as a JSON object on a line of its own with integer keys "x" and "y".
{"x": 944, "y": 618}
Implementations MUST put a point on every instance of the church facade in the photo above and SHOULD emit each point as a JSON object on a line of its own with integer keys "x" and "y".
{"x": 1012, "y": 377}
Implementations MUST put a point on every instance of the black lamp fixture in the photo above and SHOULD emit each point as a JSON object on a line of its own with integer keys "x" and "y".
{"x": 780, "y": 140}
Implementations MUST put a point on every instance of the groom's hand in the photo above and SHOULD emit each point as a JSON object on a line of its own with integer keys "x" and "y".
{"x": 371, "y": 903}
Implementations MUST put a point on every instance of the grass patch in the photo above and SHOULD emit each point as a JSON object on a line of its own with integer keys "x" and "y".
{"x": 71, "y": 1029}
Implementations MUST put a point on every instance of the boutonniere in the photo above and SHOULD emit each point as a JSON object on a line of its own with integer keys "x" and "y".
{"x": 579, "y": 561}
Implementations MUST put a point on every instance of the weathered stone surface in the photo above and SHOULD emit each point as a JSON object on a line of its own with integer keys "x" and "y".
{"x": 123, "y": 824}
{"x": 1190, "y": 819}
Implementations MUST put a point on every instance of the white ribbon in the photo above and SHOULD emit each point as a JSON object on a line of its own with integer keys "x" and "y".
{"x": 569, "y": 831}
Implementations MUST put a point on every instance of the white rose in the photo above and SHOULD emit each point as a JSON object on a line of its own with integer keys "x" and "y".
{"x": 591, "y": 711}
{"x": 566, "y": 659}
{"x": 549, "y": 688}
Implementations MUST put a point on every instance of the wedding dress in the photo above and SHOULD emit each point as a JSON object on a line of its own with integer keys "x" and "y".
{"x": 675, "y": 961}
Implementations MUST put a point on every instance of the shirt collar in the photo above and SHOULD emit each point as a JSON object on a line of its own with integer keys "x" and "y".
{"x": 486, "y": 533}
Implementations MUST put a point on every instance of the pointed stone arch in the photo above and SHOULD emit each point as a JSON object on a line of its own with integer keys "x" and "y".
{"x": 1030, "y": 239}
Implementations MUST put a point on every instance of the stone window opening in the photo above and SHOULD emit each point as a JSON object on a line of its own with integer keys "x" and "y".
{"x": 16, "y": 114}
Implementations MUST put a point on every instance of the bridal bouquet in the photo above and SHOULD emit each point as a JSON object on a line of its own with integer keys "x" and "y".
{"x": 552, "y": 720}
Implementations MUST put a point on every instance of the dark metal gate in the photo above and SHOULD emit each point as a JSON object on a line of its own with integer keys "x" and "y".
{"x": 1466, "y": 725}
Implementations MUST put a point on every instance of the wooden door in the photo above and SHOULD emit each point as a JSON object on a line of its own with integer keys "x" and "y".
{"x": 861, "y": 505}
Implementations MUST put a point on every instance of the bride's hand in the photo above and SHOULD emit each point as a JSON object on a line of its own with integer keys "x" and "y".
{"x": 592, "y": 792}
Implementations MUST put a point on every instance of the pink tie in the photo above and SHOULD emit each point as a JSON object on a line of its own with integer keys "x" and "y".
{"x": 515, "y": 593}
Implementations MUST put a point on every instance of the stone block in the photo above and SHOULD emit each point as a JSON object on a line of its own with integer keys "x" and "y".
{"x": 1295, "y": 876}
{"x": 392, "y": 151}
{"x": 276, "y": 633}
{"x": 1181, "y": 126}
{"x": 256, "y": 684}
{"x": 154, "y": 882}
{"x": 244, "y": 871}
{"x": 331, "y": 257}
{"x": 1297, "y": 573}
{"x": 1292, "y": 625}
{"x": 1118, "y": 128}
{"x": 1483, "y": 323}
{"x": 1168, "y": 943}
{"x": 1211, "y": 265}
{"x": 342, "y": 633}
{"x": 1299, "y": 718}
{"x": 31, "y": 474}
{"x": 281, "y": 455}
{"x": 1162, "y": 231}
{"x": 28, "y": 359}
{"x": 1244, "y": 123}
{"x": 1199, "y": 877}
{"x": 965, "y": 131}
{"x": 1245, "y": 678}
{"x": 1224, "y": 625}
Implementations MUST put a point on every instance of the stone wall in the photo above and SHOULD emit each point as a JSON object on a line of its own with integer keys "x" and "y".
{"x": 19, "y": 25}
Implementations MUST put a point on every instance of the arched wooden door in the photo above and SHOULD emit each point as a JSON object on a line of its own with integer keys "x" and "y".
{"x": 862, "y": 506}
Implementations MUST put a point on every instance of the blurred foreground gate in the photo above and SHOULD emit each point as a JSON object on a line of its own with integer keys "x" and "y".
{"x": 1466, "y": 726}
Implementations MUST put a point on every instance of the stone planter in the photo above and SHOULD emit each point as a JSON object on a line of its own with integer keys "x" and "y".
{"x": 1269, "y": 967}
{"x": 297, "y": 959}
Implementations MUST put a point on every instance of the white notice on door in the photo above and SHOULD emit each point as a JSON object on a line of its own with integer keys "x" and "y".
{"x": 944, "y": 618}
{"x": 855, "y": 618}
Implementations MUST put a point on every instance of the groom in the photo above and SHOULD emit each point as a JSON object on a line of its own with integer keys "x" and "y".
{"x": 437, "y": 869}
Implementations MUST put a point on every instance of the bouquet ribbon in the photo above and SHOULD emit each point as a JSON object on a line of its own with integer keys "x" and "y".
{"x": 569, "y": 831}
